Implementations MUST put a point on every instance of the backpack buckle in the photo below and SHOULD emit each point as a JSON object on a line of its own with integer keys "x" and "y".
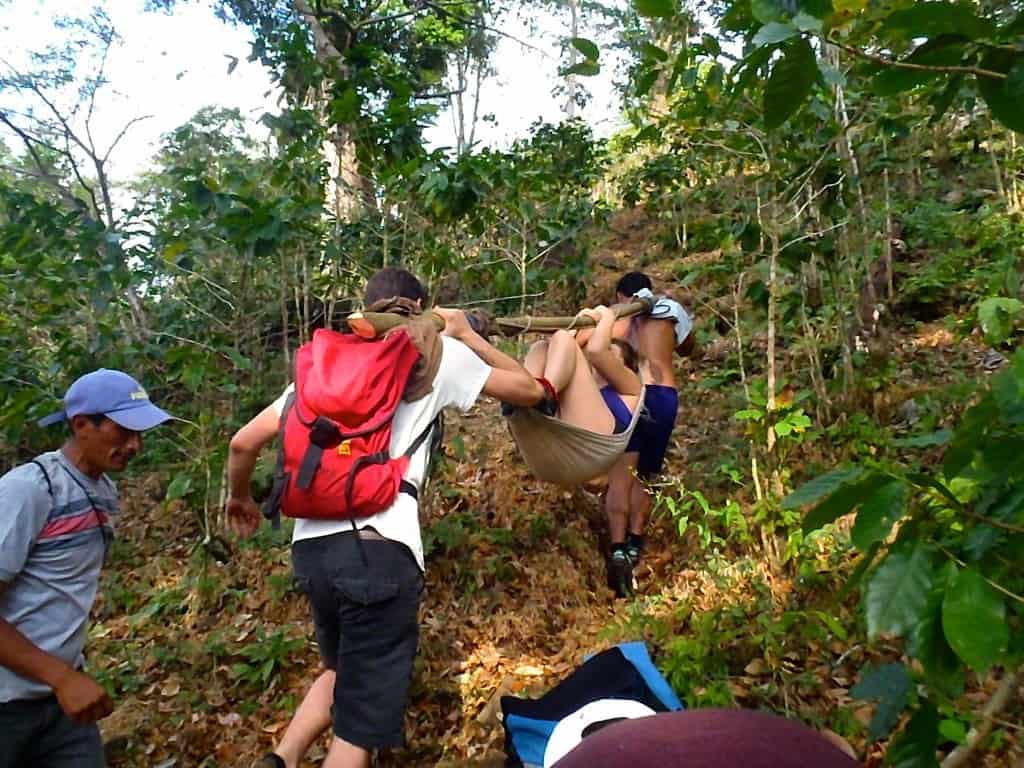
{"x": 324, "y": 433}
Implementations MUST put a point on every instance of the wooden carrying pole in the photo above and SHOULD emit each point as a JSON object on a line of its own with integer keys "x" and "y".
{"x": 369, "y": 325}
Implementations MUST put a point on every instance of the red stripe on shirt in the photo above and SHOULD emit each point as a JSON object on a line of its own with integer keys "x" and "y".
{"x": 85, "y": 521}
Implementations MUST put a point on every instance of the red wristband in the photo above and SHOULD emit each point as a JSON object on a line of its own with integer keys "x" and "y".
{"x": 549, "y": 389}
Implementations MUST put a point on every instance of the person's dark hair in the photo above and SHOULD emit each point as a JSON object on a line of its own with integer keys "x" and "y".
{"x": 631, "y": 282}
{"x": 629, "y": 356}
{"x": 394, "y": 281}
{"x": 95, "y": 418}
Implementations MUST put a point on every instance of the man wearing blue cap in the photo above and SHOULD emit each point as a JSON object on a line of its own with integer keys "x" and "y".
{"x": 57, "y": 521}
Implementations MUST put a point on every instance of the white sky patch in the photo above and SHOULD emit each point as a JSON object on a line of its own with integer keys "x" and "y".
{"x": 170, "y": 66}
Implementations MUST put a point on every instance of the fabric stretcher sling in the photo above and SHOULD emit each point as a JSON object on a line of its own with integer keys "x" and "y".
{"x": 562, "y": 453}
{"x": 555, "y": 451}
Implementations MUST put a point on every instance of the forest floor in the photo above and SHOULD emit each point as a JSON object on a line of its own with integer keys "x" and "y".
{"x": 209, "y": 660}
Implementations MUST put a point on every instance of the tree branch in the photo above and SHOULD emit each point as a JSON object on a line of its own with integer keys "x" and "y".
{"x": 44, "y": 174}
{"x": 1002, "y": 696}
{"x": 977, "y": 71}
{"x": 124, "y": 130}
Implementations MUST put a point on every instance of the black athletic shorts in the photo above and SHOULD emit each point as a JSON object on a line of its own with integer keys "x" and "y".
{"x": 366, "y": 622}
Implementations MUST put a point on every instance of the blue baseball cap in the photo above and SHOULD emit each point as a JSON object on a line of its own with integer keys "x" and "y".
{"x": 113, "y": 394}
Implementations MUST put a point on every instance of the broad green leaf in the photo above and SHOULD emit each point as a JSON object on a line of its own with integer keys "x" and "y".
{"x": 927, "y": 440}
{"x": 821, "y": 486}
{"x": 997, "y": 316}
{"x": 584, "y": 68}
{"x": 968, "y": 436}
{"x": 934, "y": 19}
{"x": 889, "y": 685}
{"x": 174, "y": 249}
{"x": 655, "y": 9}
{"x": 834, "y": 625}
{"x": 915, "y": 746}
{"x": 711, "y": 45}
{"x": 1001, "y": 94}
{"x": 644, "y": 81}
{"x": 942, "y": 52}
{"x": 774, "y": 32}
{"x": 748, "y": 414}
{"x": 832, "y": 76}
{"x": 767, "y": 11}
{"x": 843, "y": 501}
{"x": 805, "y": 22}
{"x": 953, "y": 730}
{"x": 815, "y": 9}
{"x": 896, "y": 597}
{"x": 847, "y": 10}
{"x": 1015, "y": 81}
{"x": 927, "y": 643}
{"x": 241, "y": 362}
{"x": 858, "y": 573}
{"x": 587, "y": 48}
{"x": 974, "y": 620}
{"x": 790, "y": 82}
{"x": 650, "y": 51}
{"x": 178, "y": 488}
{"x": 878, "y": 513}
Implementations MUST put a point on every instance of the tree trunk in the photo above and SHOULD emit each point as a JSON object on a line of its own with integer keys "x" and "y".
{"x": 351, "y": 191}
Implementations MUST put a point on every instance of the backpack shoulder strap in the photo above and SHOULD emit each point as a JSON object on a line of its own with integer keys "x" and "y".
{"x": 46, "y": 476}
{"x": 272, "y": 506}
{"x": 435, "y": 428}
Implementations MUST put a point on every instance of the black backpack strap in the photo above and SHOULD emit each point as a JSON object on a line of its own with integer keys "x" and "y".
{"x": 272, "y": 506}
{"x": 436, "y": 429}
{"x": 46, "y": 476}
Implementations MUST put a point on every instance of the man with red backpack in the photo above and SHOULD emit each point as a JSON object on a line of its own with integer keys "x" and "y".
{"x": 354, "y": 454}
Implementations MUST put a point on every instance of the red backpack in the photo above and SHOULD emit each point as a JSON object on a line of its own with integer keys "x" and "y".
{"x": 335, "y": 431}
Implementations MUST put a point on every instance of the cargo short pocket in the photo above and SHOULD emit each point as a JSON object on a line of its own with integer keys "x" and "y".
{"x": 365, "y": 591}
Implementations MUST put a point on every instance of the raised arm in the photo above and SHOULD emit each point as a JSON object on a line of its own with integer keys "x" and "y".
{"x": 509, "y": 381}
{"x": 600, "y": 354}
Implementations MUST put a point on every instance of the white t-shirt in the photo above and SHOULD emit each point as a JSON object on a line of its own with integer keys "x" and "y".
{"x": 459, "y": 381}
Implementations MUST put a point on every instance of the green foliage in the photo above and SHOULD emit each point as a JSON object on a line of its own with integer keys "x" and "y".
{"x": 716, "y": 527}
{"x": 998, "y": 317}
{"x": 890, "y": 685}
{"x": 264, "y": 657}
{"x": 790, "y": 83}
{"x": 943, "y": 583}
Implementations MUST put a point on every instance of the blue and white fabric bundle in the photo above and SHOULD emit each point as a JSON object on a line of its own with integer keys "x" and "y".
{"x": 619, "y": 683}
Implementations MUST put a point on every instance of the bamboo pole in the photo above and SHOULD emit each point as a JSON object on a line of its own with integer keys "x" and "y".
{"x": 369, "y": 325}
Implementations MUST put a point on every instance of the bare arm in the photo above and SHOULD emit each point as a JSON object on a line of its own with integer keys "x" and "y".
{"x": 509, "y": 381}
{"x": 243, "y": 451}
{"x": 79, "y": 695}
{"x": 600, "y": 354}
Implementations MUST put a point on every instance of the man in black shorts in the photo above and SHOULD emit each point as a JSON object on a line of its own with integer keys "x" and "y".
{"x": 365, "y": 611}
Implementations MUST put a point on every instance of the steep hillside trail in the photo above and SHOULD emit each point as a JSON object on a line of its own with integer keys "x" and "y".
{"x": 209, "y": 660}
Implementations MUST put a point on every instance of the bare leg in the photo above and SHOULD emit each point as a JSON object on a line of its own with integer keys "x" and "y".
{"x": 342, "y": 754}
{"x": 580, "y": 401}
{"x": 639, "y": 506}
{"x": 562, "y": 358}
{"x": 537, "y": 358}
{"x": 618, "y": 497}
{"x": 311, "y": 719}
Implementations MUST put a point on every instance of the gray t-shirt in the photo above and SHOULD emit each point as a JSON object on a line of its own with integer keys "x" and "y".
{"x": 51, "y": 552}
